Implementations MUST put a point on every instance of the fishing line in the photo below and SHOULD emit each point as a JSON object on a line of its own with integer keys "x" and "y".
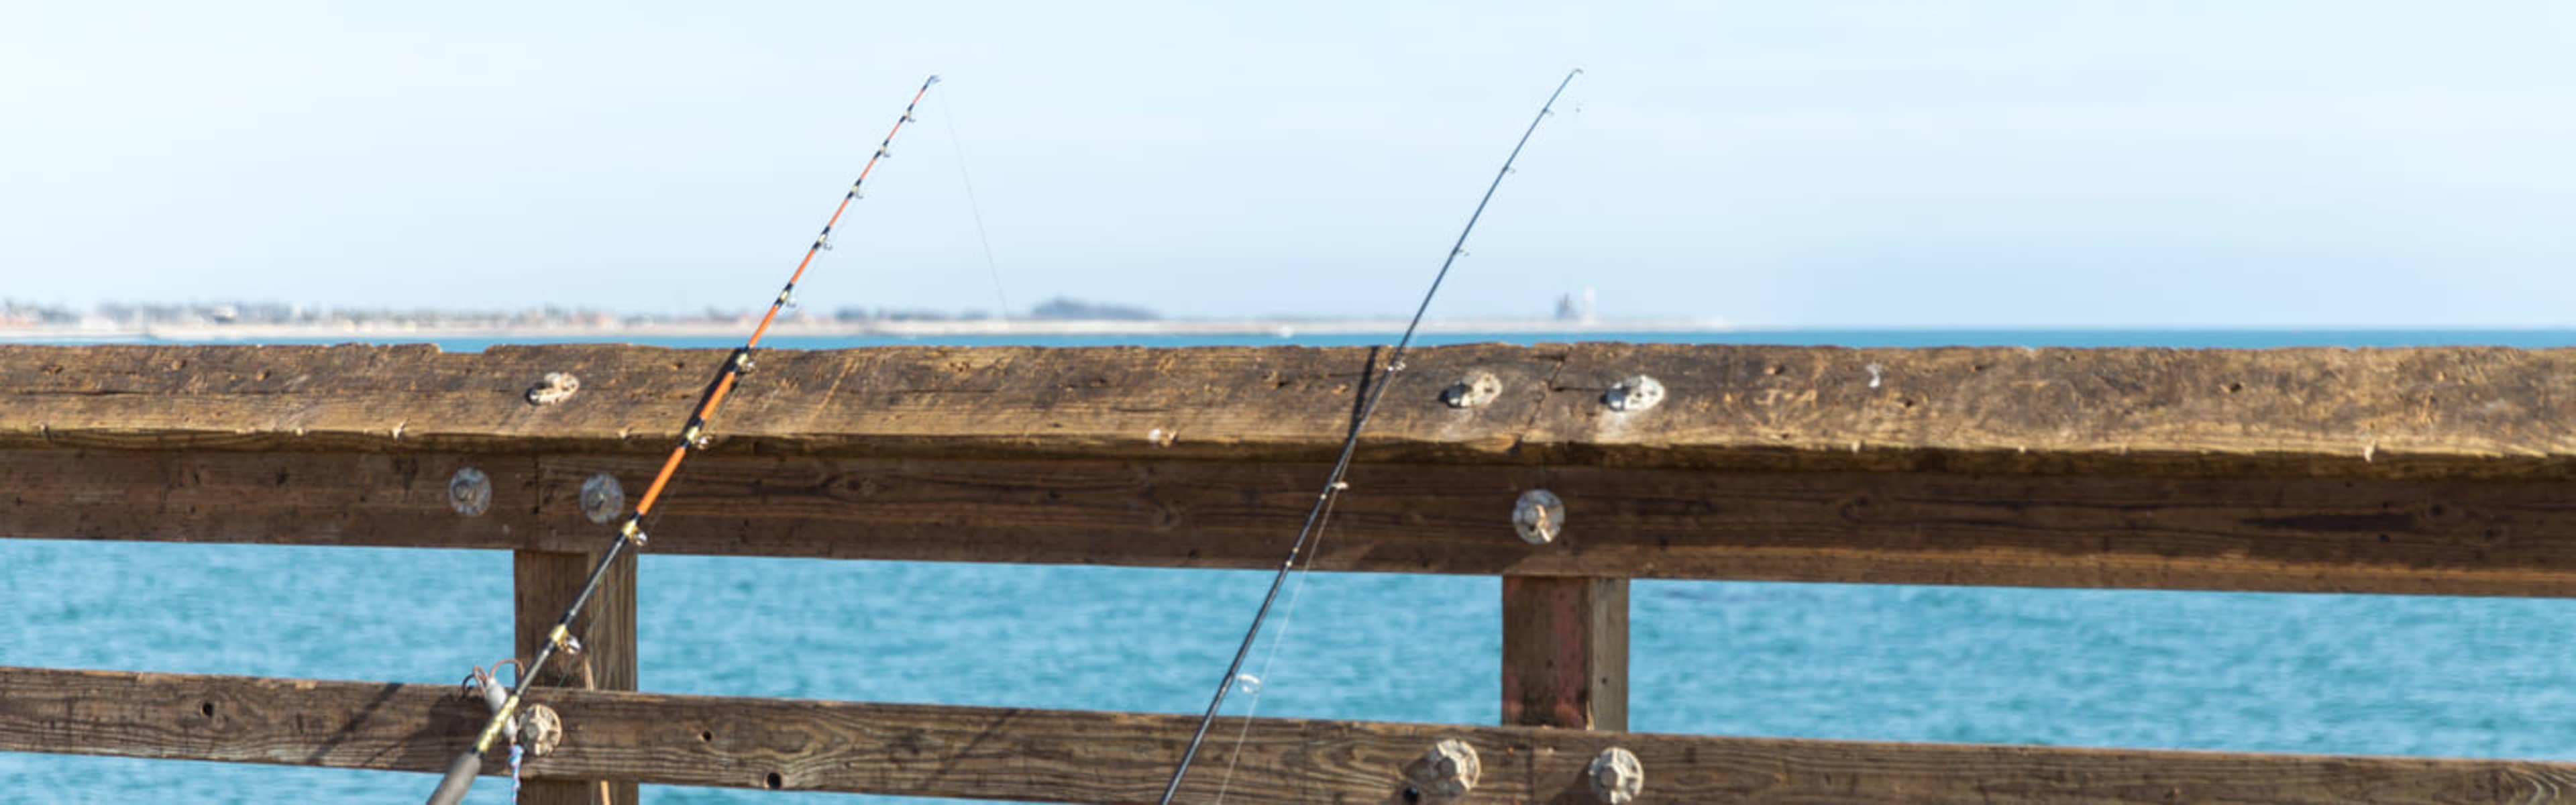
{"x": 631, "y": 534}
{"x": 958, "y": 147}
{"x": 1261, "y": 680}
{"x": 1333, "y": 483}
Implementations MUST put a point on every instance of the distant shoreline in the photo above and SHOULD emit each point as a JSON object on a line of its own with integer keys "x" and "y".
{"x": 1281, "y": 328}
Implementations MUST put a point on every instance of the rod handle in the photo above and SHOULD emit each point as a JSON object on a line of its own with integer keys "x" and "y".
{"x": 460, "y": 777}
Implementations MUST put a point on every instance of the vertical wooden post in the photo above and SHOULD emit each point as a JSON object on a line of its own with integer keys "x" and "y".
{"x": 1565, "y": 652}
{"x": 546, "y": 582}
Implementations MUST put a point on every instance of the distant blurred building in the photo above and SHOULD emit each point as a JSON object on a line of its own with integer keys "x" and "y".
{"x": 23, "y": 314}
{"x": 1585, "y": 309}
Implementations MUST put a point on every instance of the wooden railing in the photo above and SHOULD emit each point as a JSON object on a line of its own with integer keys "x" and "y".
{"x": 2434, "y": 471}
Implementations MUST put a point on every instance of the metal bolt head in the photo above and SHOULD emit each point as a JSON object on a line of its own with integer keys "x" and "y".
{"x": 1637, "y": 393}
{"x": 540, "y": 729}
{"x": 470, "y": 492}
{"x": 1473, "y": 390}
{"x": 1448, "y": 770}
{"x": 1539, "y": 516}
{"x": 557, "y": 387}
{"x": 1616, "y": 776}
{"x": 602, "y": 498}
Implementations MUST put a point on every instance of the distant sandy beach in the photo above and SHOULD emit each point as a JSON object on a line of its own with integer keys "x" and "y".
{"x": 1283, "y": 328}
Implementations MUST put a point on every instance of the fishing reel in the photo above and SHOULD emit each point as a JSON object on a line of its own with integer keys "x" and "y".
{"x": 538, "y": 724}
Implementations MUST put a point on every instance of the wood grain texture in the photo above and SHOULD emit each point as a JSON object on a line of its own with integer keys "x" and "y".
{"x": 1075, "y": 756}
{"x": 2408, "y": 536}
{"x": 2423, "y": 413}
{"x": 543, "y": 584}
{"x": 284, "y": 497}
{"x": 1565, "y": 652}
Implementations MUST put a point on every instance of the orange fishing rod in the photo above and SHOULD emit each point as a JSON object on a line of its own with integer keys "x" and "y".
{"x": 630, "y": 533}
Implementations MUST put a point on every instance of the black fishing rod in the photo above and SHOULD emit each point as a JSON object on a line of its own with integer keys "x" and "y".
{"x": 1333, "y": 485}
{"x": 630, "y": 534}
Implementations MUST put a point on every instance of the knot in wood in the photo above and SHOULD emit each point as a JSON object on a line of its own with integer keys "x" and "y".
{"x": 469, "y": 491}
{"x": 1637, "y": 393}
{"x": 556, "y": 387}
{"x": 540, "y": 729}
{"x": 1538, "y": 516}
{"x": 1473, "y": 390}
{"x": 1616, "y": 776}
{"x": 1447, "y": 771}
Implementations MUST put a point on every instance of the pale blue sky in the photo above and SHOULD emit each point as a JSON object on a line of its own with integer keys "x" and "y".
{"x": 1812, "y": 163}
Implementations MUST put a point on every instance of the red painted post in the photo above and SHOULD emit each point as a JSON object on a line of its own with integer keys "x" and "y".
{"x": 1565, "y": 652}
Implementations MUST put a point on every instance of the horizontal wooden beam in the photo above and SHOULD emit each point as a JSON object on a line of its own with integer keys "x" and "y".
{"x": 1078, "y": 756}
{"x": 2480, "y": 413}
{"x": 2427, "y": 536}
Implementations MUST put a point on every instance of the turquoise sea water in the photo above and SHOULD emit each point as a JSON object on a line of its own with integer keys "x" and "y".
{"x": 2298, "y": 673}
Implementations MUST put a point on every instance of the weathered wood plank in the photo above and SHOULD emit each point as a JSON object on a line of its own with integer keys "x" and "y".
{"x": 1075, "y": 756}
{"x": 2412, "y": 536}
{"x": 2435, "y": 412}
{"x": 908, "y": 401}
{"x": 287, "y": 497}
{"x": 1565, "y": 652}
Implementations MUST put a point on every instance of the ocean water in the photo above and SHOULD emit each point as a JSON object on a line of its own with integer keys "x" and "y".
{"x": 2384, "y": 675}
